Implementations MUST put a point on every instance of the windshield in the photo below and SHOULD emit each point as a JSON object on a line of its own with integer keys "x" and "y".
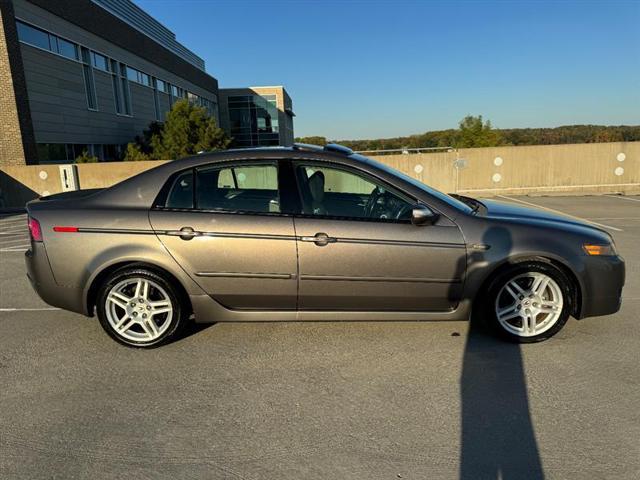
{"x": 448, "y": 199}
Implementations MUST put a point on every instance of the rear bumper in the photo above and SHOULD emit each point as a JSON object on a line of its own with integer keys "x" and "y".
{"x": 603, "y": 279}
{"x": 44, "y": 283}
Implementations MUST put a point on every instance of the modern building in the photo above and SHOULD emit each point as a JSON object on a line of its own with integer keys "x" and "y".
{"x": 257, "y": 116}
{"x": 91, "y": 75}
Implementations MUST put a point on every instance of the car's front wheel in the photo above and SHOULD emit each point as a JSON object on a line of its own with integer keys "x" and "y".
{"x": 139, "y": 308}
{"x": 529, "y": 302}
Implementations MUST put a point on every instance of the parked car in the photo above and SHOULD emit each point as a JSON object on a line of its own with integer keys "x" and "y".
{"x": 310, "y": 233}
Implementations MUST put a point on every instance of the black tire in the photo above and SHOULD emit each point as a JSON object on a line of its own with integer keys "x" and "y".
{"x": 179, "y": 317}
{"x": 515, "y": 270}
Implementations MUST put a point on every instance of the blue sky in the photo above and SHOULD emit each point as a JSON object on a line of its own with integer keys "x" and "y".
{"x": 369, "y": 69}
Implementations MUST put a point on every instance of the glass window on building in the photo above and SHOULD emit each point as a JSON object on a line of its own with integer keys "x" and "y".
{"x": 117, "y": 95}
{"x": 100, "y": 61}
{"x": 67, "y": 49}
{"x": 33, "y": 36}
{"x": 144, "y": 79}
{"x": 254, "y": 120}
{"x": 89, "y": 82}
{"x": 52, "y": 152}
{"x": 138, "y": 76}
{"x": 47, "y": 41}
{"x": 126, "y": 96}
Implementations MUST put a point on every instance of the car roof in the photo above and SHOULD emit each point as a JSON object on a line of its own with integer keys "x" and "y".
{"x": 139, "y": 189}
{"x": 329, "y": 147}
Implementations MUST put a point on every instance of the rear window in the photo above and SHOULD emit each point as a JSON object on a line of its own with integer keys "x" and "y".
{"x": 246, "y": 188}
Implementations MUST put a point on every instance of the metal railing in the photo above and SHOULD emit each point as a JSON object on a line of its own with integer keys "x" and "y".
{"x": 405, "y": 151}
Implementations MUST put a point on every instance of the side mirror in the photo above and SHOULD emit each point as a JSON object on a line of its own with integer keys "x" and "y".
{"x": 421, "y": 215}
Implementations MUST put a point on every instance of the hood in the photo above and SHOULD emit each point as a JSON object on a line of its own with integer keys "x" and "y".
{"x": 508, "y": 211}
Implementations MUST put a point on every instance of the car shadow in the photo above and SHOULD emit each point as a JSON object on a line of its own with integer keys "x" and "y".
{"x": 191, "y": 328}
{"x": 498, "y": 439}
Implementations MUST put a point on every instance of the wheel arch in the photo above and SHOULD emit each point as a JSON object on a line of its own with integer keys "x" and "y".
{"x": 576, "y": 300}
{"x": 94, "y": 287}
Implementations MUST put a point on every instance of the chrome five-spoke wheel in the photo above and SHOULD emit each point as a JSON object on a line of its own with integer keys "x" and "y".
{"x": 139, "y": 309}
{"x": 529, "y": 304}
{"x": 529, "y": 301}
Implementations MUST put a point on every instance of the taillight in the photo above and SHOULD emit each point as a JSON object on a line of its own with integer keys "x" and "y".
{"x": 34, "y": 229}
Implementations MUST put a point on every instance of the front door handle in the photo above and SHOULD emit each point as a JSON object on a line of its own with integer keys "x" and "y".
{"x": 320, "y": 239}
{"x": 185, "y": 233}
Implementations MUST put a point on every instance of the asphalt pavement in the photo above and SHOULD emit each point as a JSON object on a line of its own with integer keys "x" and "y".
{"x": 322, "y": 400}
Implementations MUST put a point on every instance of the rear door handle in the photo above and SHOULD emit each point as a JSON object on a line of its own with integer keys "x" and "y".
{"x": 185, "y": 233}
{"x": 320, "y": 239}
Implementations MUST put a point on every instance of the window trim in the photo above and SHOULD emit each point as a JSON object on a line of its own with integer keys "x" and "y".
{"x": 302, "y": 162}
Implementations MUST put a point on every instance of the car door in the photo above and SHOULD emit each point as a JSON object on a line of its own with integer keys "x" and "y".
{"x": 224, "y": 225}
{"x": 358, "y": 250}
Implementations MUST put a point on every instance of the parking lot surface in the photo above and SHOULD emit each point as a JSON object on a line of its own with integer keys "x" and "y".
{"x": 322, "y": 400}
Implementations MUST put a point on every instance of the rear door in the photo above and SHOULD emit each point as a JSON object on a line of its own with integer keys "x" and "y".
{"x": 358, "y": 250}
{"x": 224, "y": 225}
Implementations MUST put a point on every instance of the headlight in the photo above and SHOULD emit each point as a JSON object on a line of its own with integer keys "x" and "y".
{"x": 599, "y": 250}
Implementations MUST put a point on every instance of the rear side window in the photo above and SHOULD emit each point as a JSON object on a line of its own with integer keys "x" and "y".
{"x": 247, "y": 188}
{"x": 181, "y": 191}
{"x": 263, "y": 177}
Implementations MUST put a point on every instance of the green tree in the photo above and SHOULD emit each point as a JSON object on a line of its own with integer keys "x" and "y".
{"x": 473, "y": 132}
{"x": 86, "y": 158}
{"x": 316, "y": 140}
{"x": 187, "y": 130}
{"x": 134, "y": 153}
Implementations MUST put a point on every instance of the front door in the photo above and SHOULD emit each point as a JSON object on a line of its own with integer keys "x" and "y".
{"x": 223, "y": 224}
{"x": 357, "y": 249}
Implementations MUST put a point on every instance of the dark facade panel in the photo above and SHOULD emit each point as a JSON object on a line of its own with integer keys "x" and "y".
{"x": 95, "y": 19}
{"x": 104, "y": 92}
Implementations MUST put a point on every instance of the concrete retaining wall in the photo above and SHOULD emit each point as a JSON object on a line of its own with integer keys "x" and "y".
{"x": 536, "y": 170}
{"x": 550, "y": 169}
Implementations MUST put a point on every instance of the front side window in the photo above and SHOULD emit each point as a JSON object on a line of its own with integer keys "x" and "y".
{"x": 335, "y": 192}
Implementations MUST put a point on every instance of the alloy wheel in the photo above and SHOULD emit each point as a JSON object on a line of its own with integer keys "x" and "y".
{"x": 529, "y": 304}
{"x": 138, "y": 309}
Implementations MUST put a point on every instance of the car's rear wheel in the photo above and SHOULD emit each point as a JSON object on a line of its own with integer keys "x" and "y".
{"x": 139, "y": 308}
{"x": 529, "y": 302}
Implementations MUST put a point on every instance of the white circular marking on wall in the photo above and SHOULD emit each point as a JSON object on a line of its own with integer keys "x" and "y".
{"x": 619, "y": 171}
{"x": 43, "y": 175}
{"x": 498, "y": 161}
{"x": 418, "y": 168}
{"x": 45, "y": 193}
{"x": 496, "y": 177}
{"x": 621, "y": 157}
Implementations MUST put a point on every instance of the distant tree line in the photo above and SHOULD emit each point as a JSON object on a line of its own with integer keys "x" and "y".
{"x": 474, "y": 132}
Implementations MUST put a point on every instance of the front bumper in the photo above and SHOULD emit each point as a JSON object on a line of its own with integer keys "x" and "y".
{"x": 603, "y": 279}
